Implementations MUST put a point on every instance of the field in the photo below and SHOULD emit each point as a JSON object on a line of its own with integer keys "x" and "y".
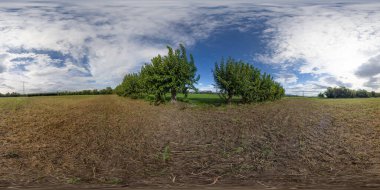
{"x": 113, "y": 140}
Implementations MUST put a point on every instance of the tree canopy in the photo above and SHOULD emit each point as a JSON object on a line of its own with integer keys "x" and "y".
{"x": 172, "y": 73}
{"x": 237, "y": 78}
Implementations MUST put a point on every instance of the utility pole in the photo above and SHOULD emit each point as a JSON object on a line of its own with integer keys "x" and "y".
{"x": 303, "y": 93}
{"x": 23, "y": 87}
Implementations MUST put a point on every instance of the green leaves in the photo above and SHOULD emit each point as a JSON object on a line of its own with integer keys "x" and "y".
{"x": 237, "y": 78}
{"x": 343, "y": 92}
{"x": 172, "y": 73}
{"x": 132, "y": 86}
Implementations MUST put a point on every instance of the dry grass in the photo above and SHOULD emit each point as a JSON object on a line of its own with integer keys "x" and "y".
{"x": 108, "y": 139}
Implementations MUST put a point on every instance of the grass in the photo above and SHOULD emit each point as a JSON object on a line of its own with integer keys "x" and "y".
{"x": 110, "y": 139}
{"x": 204, "y": 99}
{"x": 200, "y": 99}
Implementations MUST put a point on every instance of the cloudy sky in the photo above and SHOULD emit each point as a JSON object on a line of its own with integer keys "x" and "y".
{"x": 85, "y": 44}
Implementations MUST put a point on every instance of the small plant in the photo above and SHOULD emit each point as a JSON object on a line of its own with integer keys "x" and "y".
{"x": 166, "y": 153}
{"x": 73, "y": 180}
{"x": 10, "y": 155}
{"x": 115, "y": 181}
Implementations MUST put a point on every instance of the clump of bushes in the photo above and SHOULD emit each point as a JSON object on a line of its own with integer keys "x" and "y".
{"x": 343, "y": 92}
{"x": 237, "y": 78}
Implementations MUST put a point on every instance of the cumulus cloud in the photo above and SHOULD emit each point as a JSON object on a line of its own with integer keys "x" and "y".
{"x": 325, "y": 39}
{"x": 208, "y": 87}
{"x": 369, "y": 69}
{"x": 72, "y": 45}
{"x": 286, "y": 78}
{"x": 89, "y": 44}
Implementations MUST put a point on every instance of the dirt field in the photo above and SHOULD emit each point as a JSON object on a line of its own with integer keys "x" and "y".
{"x": 123, "y": 142}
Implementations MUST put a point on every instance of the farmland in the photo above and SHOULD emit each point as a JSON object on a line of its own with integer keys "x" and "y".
{"x": 108, "y": 139}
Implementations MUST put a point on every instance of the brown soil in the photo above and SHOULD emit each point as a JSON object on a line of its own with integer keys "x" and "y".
{"x": 113, "y": 140}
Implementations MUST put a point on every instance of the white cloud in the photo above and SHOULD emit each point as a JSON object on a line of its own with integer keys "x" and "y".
{"x": 286, "y": 78}
{"x": 99, "y": 41}
{"x": 204, "y": 87}
{"x": 106, "y": 40}
{"x": 324, "y": 39}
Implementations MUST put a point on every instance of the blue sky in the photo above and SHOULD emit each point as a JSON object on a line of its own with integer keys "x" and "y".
{"x": 73, "y": 45}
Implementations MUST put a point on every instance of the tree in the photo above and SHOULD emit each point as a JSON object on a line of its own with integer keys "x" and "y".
{"x": 132, "y": 86}
{"x": 249, "y": 86}
{"x": 226, "y": 77}
{"x": 373, "y": 94}
{"x": 237, "y": 78}
{"x": 173, "y": 73}
{"x": 321, "y": 95}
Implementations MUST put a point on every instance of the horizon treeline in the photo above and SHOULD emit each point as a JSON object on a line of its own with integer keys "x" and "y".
{"x": 176, "y": 73}
{"x": 344, "y": 92}
{"x": 104, "y": 91}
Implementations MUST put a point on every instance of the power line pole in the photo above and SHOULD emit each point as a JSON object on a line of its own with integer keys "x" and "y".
{"x": 23, "y": 87}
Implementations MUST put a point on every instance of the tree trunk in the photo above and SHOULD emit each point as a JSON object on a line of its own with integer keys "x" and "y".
{"x": 229, "y": 99}
{"x": 174, "y": 96}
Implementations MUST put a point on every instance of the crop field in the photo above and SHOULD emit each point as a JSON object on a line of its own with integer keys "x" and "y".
{"x": 108, "y": 139}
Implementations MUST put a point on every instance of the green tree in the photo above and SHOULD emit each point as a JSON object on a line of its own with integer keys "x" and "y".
{"x": 227, "y": 77}
{"x": 237, "y": 78}
{"x": 173, "y": 73}
{"x": 132, "y": 86}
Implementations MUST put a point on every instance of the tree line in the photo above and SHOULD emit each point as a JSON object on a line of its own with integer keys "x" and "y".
{"x": 176, "y": 73}
{"x": 105, "y": 91}
{"x": 343, "y": 92}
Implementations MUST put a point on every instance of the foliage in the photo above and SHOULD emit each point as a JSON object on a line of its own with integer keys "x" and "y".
{"x": 132, "y": 86}
{"x": 343, "y": 92}
{"x": 166, "y": 153}
{"x": 321, "y": 95}
{"x": 13, "y": 94}
{"x": 237, "y": 78}
{"x": 173, "y": 73}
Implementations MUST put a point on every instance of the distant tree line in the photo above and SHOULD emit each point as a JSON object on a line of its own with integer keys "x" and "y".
{"x": 105, "y": 91}
{"x": 343, "y": 92}
{"x": 10, "y": 94}
{"x": 176, "y": 73}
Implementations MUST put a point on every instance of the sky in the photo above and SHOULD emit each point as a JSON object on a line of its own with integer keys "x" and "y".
{"x": 307, "y": 46}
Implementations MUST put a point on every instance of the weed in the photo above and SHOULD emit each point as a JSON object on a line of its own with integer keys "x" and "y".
{"x": 11, "y": 155}
{"x": 166, "y": 154}
{"x": 73, "y": 180}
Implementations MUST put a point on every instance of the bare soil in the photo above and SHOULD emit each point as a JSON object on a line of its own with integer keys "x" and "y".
{"x": 120, "y": 142}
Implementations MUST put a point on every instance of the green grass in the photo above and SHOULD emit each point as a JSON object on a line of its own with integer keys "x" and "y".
{"x": 199, "y": 99}
{"x": 204, "y": 99}
{"x": 13, "y": 103}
